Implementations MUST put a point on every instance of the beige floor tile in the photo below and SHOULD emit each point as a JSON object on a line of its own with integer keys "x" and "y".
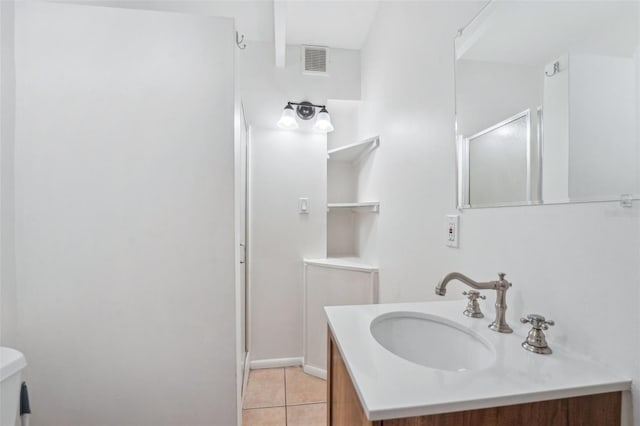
{"x": 274, "y": 416}
{"x": 265, "y": 388}
{"x": 307, "y": 415}
{"x": 303, "y": 388}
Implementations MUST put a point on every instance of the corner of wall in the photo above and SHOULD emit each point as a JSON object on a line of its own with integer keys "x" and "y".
{"x": 8, "y": 314}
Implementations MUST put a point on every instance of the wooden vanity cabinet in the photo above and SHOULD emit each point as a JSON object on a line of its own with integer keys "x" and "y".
{"x": 344, "y": 409}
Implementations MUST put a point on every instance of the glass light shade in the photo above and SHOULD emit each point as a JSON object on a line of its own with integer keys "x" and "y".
{"x": 323, "y": 122}
{"x": 288, "y": 118}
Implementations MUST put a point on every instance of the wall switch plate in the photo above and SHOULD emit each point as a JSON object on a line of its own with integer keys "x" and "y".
{"x": 453, "y": 230}
{"x": 303, "y": 205}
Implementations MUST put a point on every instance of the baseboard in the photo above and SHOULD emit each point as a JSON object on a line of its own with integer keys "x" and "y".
{"x": 276, "y": 363}
{"x": 315, "y": 371}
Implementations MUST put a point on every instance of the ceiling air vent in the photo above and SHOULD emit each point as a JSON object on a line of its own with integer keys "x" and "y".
{"x": 314, "y": 60}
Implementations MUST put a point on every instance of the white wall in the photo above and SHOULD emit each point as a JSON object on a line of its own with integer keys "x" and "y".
{"x": 341, "y": 223}
{"x": 602, "y": 115}
{"x": 592, "y": 102}
{"x": 342, "y": 181}
{"x": 8, "y": 314}
{"x": 265, "y": 89}
{"x": 344, "y": 117}
{"x": 555, "y": 177}
{"x": 285, "y": 165}
{"x": 490, "y": 92}
{"x": 125, "y": 215}
{"x": 576, "y": 264}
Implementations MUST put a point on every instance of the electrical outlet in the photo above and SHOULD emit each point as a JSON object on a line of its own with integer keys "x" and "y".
{"x": 453, "y": 230}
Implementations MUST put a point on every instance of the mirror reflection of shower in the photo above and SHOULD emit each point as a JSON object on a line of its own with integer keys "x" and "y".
{"x": 497, "y": 167}
{"x": 578, "y": 80}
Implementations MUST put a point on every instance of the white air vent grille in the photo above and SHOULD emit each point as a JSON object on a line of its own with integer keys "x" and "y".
{"x": 315, "y": 60}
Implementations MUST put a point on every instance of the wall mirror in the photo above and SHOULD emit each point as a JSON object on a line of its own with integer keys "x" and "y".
{"x": 547, "y": 103}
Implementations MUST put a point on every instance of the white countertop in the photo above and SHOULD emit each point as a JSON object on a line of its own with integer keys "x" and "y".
{"x": 391, "y": 387}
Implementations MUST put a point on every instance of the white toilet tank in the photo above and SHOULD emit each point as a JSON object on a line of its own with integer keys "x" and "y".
{"x": 12, "y": 363}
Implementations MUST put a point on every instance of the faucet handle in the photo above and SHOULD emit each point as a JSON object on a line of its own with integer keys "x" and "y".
{"x": 473, "y": 308}
{"x": 537, "y": 321}
{"x": 473, "y": 295}
{"x": 536, "y": 341}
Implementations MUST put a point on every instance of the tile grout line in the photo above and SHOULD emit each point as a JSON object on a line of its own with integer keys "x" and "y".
{"x": 283, "y": 406}
{"x": 272, "y": 406}
{"x": 306, "y": 403}
{"x": 286, "y": 411}
{"x": 287, "y": 403}
{"x": 261, "y": 408}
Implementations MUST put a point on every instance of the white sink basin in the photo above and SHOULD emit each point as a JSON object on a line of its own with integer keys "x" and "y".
{"x": 432, "y": 341}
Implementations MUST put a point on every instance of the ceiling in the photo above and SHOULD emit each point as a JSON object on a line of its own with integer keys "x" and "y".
{"x": 540, "y": 31}
{"x": 253, "y": 18}
{"x": 338, "y": 24}
{"x": 334, "y": 23}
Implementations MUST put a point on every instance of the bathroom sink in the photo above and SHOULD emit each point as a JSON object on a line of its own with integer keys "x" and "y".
{"x": 432, "y": 341}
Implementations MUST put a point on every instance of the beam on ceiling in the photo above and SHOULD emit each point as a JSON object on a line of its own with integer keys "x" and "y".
{"x": 280, "y": 31}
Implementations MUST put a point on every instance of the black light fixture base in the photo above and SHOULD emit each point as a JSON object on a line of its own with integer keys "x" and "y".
{"x": 306, "y": 110}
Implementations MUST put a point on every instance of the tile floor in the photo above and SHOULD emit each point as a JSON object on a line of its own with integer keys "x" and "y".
{"x": 284, "y": 397}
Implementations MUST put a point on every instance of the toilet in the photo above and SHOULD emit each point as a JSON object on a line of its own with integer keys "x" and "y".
{"x": 12, "y": 363}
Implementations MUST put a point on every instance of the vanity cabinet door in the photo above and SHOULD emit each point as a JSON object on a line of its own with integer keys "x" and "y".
{"x": 343, "y": 404}
{"x": 602, "y": 409}
{"x": 460, "y": 418}
{"x": 543, "y": 413}
{"x": 546, "y": 413}
{"x": 590, "y": 410}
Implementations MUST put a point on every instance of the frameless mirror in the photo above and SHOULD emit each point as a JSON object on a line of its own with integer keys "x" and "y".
{"x": 547, "y": 103}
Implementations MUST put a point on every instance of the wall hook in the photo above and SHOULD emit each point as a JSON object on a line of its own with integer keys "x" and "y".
{"x": 626, "y": 200}
{"x": 556, "y": 69}
{"x": 239, "y": 41}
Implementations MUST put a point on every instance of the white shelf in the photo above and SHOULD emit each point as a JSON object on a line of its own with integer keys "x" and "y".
{"x": 355, "y": 152}
{"x": 348, "y": 263}
{"x": 372, "y": 206}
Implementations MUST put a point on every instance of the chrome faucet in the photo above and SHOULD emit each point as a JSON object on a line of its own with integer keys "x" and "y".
{"x": 501, "y": 286}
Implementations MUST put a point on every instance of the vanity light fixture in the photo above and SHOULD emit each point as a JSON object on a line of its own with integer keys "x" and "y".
{"x": 305, "y": 111}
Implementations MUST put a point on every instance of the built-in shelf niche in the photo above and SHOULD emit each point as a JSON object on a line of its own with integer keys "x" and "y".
{"x": 354, "y": 153}
{"x": 347, "y": 211}
{"x": 373, "y": 206}
{"x": 347, "y": 263}
{"x": 343, "y": 276}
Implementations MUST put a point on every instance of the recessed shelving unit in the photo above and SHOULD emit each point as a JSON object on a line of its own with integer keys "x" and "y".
{"x": 348, "y": 275}
{"x": 372, "y": 206}
{"x": 350, "y": 213}
{"x": 354, "y": 153}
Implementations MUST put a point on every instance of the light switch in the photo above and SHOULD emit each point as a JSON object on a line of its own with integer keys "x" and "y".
{"x": 453, "y": 230}
{"x": 303, "y": 205}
